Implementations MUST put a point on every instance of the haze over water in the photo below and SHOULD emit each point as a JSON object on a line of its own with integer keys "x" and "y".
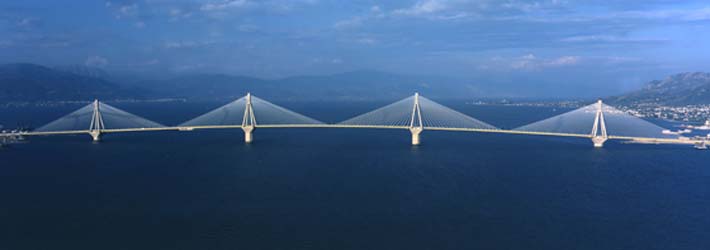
{"x": 346, "y": 188}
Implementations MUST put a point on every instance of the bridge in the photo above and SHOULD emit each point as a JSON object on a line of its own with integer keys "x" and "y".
{"x": 597, "y": 122}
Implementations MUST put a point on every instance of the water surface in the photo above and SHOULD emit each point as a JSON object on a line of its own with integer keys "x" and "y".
{"x": 346, "y": 189}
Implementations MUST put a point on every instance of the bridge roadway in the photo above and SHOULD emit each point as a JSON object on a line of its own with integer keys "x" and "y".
{"x": 498, "y": 131}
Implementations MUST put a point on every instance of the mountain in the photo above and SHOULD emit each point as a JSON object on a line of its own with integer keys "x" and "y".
{"x": 30, "y": 82}
{"x": 203, "y": 86}
{"x": 86, "y": 71}
{"x": 356, "y": 85}
{"x": 679, "y": 89}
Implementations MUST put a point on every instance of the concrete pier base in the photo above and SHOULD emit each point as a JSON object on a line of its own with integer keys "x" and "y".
{"x": 96, "y": 135}
{"x": 248, "y": 130}
{"x": 599, "y": 141}
{"x": 415, "y": 135}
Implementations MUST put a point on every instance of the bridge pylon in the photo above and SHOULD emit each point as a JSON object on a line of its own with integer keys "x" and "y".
{"x": 416, "y": 126}
{"x": 97, "y": 122}
{"x": 249, "y": 121}
{"x": 599, "y": 135}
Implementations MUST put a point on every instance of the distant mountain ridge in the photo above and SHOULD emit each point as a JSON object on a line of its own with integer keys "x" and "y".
{"x": 680, "y": 89}
{"x": 82, "y": 70}
{"x": 30, "y": 82}
{"x": 355, "y": 85}
{"x": 35, "y": 83}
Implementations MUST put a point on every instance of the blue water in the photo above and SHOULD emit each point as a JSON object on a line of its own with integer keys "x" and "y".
{"x": 346, "y": 189}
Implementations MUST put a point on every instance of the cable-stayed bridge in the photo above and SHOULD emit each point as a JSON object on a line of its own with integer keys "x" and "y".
{"x": 598, "y": 122}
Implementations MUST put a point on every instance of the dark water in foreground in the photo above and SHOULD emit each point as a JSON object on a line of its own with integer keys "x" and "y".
{"x": 347, "y": 189}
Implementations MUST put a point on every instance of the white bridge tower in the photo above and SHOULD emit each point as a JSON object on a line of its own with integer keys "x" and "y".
{"x": 416, "y": 126}
{"x": 599, "y": 137}
{"x": 249, "y": 121}
{"x": 97, "y": 122}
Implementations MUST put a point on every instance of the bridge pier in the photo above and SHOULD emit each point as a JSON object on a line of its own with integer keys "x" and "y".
{"x": 97, "y": 122}
{"x": 248, "y": 137}
{"x": 415, "y": 135}
{"x": 249, "y": 121}
{"x": 416, "y": 126}
{"x": 599, "y": 141}
{"x": 96, "y": 135}
{"x": 599, "y": 137}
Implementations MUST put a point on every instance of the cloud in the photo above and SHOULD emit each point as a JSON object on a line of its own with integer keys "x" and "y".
{"x": 131, "y": 11}
{"x": 349, "y": 23}
{"x": 186, "y": 44}
{"x": 225, "y": 5}
{"x": 693, "y": 14}
{"x": 367, "y": 40}
{"x": 96, "y": 61}
{"x": 374, "y": 13}
{"x": 248, "y": 28}
{"x": 621, "y": 59}
{"x": 610, "y": 39}
{"x": 319, "y": 60}
{"x": 28, "y": 22}
{"x": 423, "y": 7}
{"x": 562, "y": 61}
{"x": 477, "y": 9}
{"x": 188, "y": 67}
{"x": 147, "y": 63}
{"x": 123, "y": 11}
{"x": 178, "y": 13}
{"x": 530, "y": 62}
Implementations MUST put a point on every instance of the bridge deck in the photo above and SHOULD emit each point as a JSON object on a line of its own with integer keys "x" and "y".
{"x": 498, "y": 131}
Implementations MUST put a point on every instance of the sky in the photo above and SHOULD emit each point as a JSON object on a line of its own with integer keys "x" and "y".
{"x": 582, "y": 47}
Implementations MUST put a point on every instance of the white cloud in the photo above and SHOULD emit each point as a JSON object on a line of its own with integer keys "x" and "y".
{"x": 177, "y": 14}
{"x": 610, "y": 39}
{"x": 349, "y": 23}
{"x": 319, "y": 60}
{"x": 367, "y": 40}
{"x": 27, "y": 22}
{"x": 248, "y": 28}
{"x": 128, "y": 9}
{"x": 224, "y": 5}
{"x": 484, "y": 9}
{"x": 621, "y": 59}
{"x": 530, "y": 62}
{"x": 423, "y": 7}
{"x": 148, "y": 62}
{"x": 185, "y": 44}
{"x": 123, "y": 11}
{"x": 96, "y": 61}
{"x": 562, "y": 61}
{"x": 697, "y": 14}
{"x": 375, "y": 13}
{"x": 188, "y": 67}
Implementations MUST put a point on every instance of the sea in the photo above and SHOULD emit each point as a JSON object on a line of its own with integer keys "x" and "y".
{"x": 345, "y": 188}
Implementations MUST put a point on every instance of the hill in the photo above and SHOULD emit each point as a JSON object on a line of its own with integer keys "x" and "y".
{"x": 30, "y": 82}
{"x": 680, "y": 89}
{"x": 356, "y": 85}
